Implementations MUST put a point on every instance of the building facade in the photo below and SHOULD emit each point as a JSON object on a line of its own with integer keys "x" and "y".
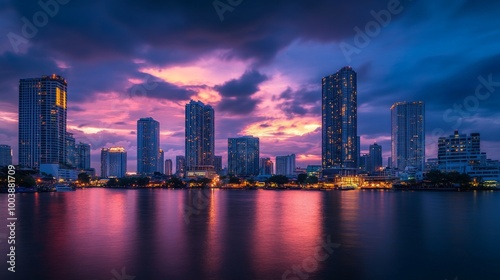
{"x": 113, "y": 162}
{"x": 339, "y": 120}
{"x": 83, "y": 152}
{"x": 375, "y": 158}
{"x": 161, "y": 161}
{"x": 218, "y": 164}
{"x": 42, "y": 121}
{"x": 168, "y": 167}
{"x": 243, "y": 156}
{"x": 199, "y": 135}
{"x": 408, "y": 135}
{"x": 462, "y": 153}
{"x": 5, "y": 155}
{"x": 148, "y": 145}
{"x": 180, "y": 166}
{"x": 266, "y": 166}
{"x": 285, "y": 165}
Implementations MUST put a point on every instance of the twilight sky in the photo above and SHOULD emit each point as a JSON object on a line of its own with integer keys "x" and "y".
{"x": 258, "y": 63}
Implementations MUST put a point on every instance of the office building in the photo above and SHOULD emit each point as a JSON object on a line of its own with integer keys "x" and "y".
{"x": 180, "y": 166}
{"x": 168, "y": 167}
{"x": 71, "y": 153}
{"x": 375, "y": 158}
{"x": 161, "y": 161}
{"x": 113, "y": 162}
{"x": 42, "y": 121}
{"x": 5, "y": 155}
{"x": 285, "y": 165}
{"x": 266, "y": 166}
{"x": 462, "y": 153}
{"x": 408, "y": 135}
{"x": 83, "y": 153}
{"x": 148, "y": 145}
{"x": 199, "y": 135}
{"x": 218, "y": 164}
{"x": 243, "y": 156}
{"x": 339, "y": 120}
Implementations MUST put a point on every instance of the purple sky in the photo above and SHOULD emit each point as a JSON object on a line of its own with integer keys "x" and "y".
{"x": 259, "y": 64}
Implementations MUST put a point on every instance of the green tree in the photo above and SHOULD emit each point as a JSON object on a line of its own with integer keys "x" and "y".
{"x": 312, "y": 180}
{"x": 301, "y": 179}
{"x": 279, "y": 180}
{"x": 113, "y": 182}
{"x": 84, "y": 178}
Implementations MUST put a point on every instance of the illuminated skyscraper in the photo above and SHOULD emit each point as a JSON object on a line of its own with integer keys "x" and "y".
{"x": 408, "y": 135}
{"x": 243, "y": 156}
{"x": 42, "y": 121}
{"x": 199, "y": 135}
{"x": 218, "y": 164}
{"x": 161, "y": 162}
{"x": 113, "y": 162}
{"x": 339, "y": 120}
{"x": 375, "y": 158}
{"x": 148, "y": 146}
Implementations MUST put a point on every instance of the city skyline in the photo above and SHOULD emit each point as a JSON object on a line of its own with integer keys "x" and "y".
{"x": 265, "y": 84}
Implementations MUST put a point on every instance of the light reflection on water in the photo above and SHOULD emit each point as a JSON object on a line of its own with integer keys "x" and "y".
{"x": 255, "y": 234}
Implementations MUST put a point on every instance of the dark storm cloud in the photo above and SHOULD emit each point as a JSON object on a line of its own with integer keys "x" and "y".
{"x": 237, "y": 93}
{"x": 160, "y": 90}
{"x": 300, "y": 102}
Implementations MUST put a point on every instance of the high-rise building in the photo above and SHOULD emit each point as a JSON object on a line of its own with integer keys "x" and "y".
{"x": 408, "y": 135}
{"x": 5, "y": 155}
{"x": 375, "y": 158}
{"x": 462, "y": 153}
{"x": 199, "y": 135}
{"x": 364, "y": 163}
{"x": 180, "y": 166}
{"x": 83, "y": 151}
{"x": 148, "y": 145}
{"x": 71, "y": 153}
{"x": 168, "y": 167}
{"x": 218, "y": 164}
{"x": 266, "y": 166}
{"x": 285, "y": 165}
{"x": 113, "y": 162}
{"x": 243, "y": 156}
{"x": 161, "y": 161}
{"x": 42, "y": 121}
{"x": 340, "y": 120}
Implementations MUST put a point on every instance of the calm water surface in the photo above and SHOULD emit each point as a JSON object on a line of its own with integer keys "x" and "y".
{"x": 223, "y": 234}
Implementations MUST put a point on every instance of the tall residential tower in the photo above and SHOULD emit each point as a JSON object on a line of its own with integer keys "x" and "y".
{"x": 42, "y": 121}
{"x": 408, "y": 135}
{"x": 339, "y": 120}
{"x": 148, "y": 146}
{"x": 199, "y": 135}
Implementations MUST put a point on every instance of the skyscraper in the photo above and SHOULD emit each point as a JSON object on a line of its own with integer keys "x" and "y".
{"x": 266, "y": 166}
{"x": 375, "y": 158}
{"x": 148, "y": 145}
{"x": 42, "y": 121}
{"x": 180, "y": 166}
{"x": 199, "y": 135}
{"x": 5, "y": 155}
{"x": 113, "y": 162}
{"x": 83, "y": 151}
{"x": 168, "y": 167}
{"x": 218, "y": 164}
{"x": 408, "y": 135}
{"x": 339, "y": 120}
{"x": 285, "y": 165}
{"x": 71, "y": 153}
{"x": 243, "y": 156}
{"x": 161, "y": 161}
